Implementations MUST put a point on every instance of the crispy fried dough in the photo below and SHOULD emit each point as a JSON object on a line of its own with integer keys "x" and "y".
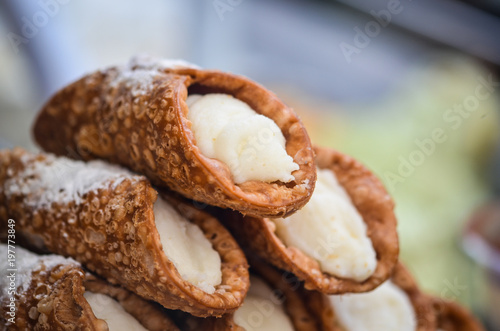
{"x": 370, "y": 199}
{"x": 140, "y": 121}
{"x": 453, "y": 317}
{"x": 112, "y": 232}
{"x": 53, "y": 299}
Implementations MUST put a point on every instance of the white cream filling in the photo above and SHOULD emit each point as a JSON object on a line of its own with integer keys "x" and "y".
{"x": 187, "y": 247}
{"x": 330, "y": 230}
{"x": 262, "y": 310}
{"x": 106, "y": 308}
{"x": 250, "y": 144}
{"x": 387, "y": 308}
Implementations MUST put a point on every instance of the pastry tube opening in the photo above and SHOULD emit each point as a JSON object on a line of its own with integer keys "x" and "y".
{"x": 137, "y": 115}
{"x": 187, "y": 247}
{"x": 354, "y": 252}
{"x": 330, "y": 230}
{"x": 385, "y": 308}
{"x": 250, "y": 128}
{"x": 397, "y": 304}
{"x": 250, "y": 144}
{"x": 104, "y": 217}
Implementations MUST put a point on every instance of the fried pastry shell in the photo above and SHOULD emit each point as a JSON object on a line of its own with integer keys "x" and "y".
{"x": 453, "y": 317}
{"x": 371, "y": 200}
{"x": 112, "y": 232}
{"x": 146, "y": 129}
{"x": 53, "y": 300}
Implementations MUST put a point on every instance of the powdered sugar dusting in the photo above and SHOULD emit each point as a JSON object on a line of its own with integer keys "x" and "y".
{"x": 139, "y": 81}
{"x": 62, "y": 180}
{"x": 139, "y": 74}
{"x": 25, "y": 263}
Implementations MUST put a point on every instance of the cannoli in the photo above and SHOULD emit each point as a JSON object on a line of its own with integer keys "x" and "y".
{"x": 396, "y": 305}
{"x": 50, "y": 292}
{"x": 112, "y": 222}
{"x": 213, "y": 137}
{"x": 274, "y": 302}
{"x": 344, "y": 240}
{"x": 453, "y": 317}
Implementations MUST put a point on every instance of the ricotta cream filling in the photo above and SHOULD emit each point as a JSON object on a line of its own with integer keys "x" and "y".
{"x": 262, "y": 310}
{"x": 330, "y": 230}
{"x": 250, "y": 144}
{"x": 387, "y": 308}
{"x": 106, "y": 308}
{"x": 187, "y": 247}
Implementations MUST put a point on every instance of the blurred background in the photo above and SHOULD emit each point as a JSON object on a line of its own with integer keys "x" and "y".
{"x": 410, "y": 88}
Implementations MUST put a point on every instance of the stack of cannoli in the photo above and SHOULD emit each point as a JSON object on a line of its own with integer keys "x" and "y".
{"x": 176, "y": 198}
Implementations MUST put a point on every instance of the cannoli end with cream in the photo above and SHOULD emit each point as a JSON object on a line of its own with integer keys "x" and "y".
{"x": 114, "y": 224}
{"x": 214, "y": 137}
{"x": 344, "y": 240}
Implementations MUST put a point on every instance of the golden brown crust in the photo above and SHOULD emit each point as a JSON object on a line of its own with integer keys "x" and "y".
{"x": 453, "y": 317}
{"x": 153, "y": 317}
{"x": 53, "y": 301}
{"x": 319, "y": 305}
{"x": 112, "y": 232}
{"x": 96, "y": 117}
{"x": 426, "y": 320}
{"x": 191, "y": 323}
{"x": 370, "y": 199}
